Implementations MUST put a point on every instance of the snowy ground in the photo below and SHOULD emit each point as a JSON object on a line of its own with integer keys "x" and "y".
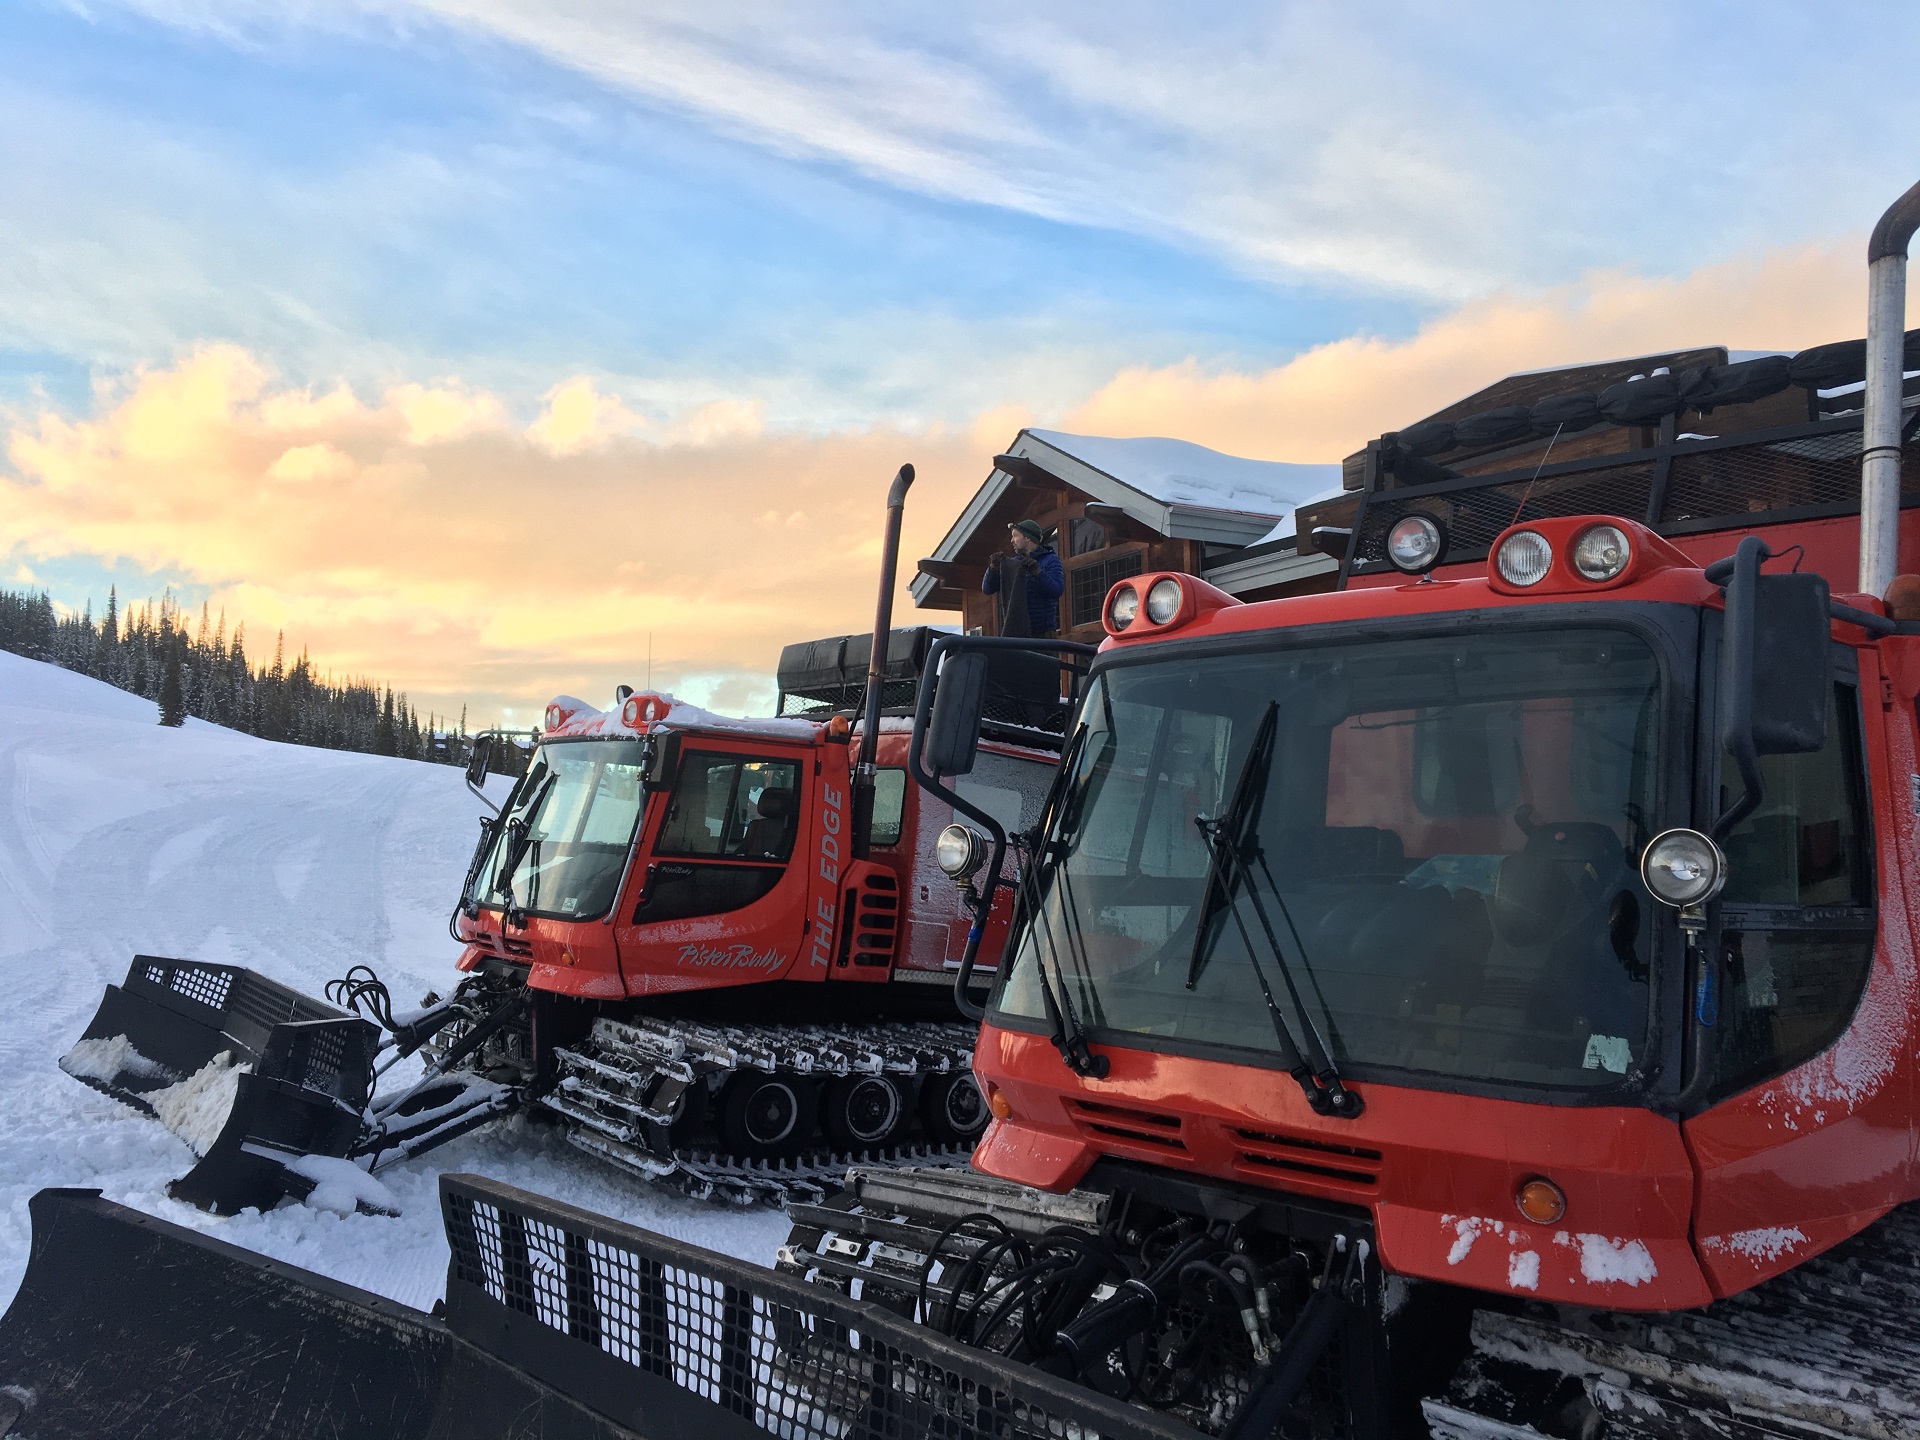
{"x": 118, "y": 837}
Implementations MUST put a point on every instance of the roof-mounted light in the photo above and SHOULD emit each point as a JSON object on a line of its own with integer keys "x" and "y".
{"x": 1122, "y": 606}
{"x": 1163, "y": 600}
{"x": 1416, "y": 543}
{"x": 1601, "y": 552}
{"x": 1524, "y": 558}
{"x": 556, "y": 717}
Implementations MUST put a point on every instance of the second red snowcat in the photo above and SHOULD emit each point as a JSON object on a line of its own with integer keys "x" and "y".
{"x": 719, "y": 951}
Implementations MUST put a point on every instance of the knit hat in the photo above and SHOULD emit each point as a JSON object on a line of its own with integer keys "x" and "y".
{"x": 1031, "y": 529}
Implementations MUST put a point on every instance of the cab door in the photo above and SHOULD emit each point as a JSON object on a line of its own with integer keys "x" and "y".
{"x": 1809, "y": 1023}
{"x": 718, "y": 900}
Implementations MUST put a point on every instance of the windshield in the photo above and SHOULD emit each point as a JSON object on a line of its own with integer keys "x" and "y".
{"x": 1443, "y": 843}
{"x": 579, "y": 805}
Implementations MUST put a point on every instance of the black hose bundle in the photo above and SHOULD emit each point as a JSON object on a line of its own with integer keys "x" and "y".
{"x": 362, "y": 992}
{"x": 1008, "y": 1296}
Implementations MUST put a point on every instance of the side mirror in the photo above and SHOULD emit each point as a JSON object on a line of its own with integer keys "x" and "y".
{"x": 1792, "y": 680}
{"x": 477, "y": 761}
{"x": 1775, "y": 677}
{"x": 959, "y": 701}
{"x": 665, "y": 766}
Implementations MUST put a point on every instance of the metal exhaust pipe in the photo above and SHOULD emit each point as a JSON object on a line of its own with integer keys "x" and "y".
{"x": 877, "y": 665}
{"x": 1886, "y": 342}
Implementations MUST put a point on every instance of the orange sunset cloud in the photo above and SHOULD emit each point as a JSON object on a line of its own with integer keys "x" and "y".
{"x": 427, "y": 539}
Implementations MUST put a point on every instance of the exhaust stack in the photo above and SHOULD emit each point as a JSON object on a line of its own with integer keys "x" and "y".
{"x": 1886, "y": 341}
{"x": 877, "y": 665}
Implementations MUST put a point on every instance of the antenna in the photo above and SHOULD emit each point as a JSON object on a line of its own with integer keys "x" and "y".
{"x": 649, "y": 660}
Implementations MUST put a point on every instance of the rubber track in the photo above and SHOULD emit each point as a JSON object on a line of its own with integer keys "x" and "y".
{"x": 1829, "y": 1348}
{"x": 610, "y": 1091}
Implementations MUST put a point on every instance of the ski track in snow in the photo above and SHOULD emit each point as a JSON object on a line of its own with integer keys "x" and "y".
{"x": 118, "y": 837}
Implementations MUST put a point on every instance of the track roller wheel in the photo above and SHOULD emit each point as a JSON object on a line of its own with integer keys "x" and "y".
{"x": 952, "y": 1109}
{"x": 865, "y": 1112}
{"x": 688, "y": 1111}
{"x": 767, "y": 1116}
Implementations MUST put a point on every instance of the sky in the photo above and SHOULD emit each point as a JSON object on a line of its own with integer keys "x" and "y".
{"x": 488, "y": 347}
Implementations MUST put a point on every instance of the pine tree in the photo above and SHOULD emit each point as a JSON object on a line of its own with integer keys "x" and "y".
{"x": 109, "y": 637}
{"x": 383, "y": 731}
{"x": 172, "y": 708}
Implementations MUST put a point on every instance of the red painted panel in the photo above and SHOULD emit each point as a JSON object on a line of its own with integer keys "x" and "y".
{"x": 1793, "y": 1166}
{"x": 1438, "y": 1171}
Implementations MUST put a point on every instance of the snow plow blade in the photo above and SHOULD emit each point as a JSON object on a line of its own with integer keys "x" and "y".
{"x": 557, "y": 1323}
{"x": 179, "y": 1036}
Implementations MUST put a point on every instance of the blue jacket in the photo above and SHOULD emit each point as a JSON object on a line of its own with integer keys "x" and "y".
{"x": 1043, "y": 590}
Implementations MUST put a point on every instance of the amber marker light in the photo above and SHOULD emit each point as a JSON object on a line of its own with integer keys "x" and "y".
{"x": 1542, "y": 1202}
{"x": 998, "y": 1103}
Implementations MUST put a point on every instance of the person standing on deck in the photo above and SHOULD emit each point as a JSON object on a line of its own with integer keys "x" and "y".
{"x": 1033, "y": 573}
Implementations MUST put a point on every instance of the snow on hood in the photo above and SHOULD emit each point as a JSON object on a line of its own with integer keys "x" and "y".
{"x": 1178, "y": 472}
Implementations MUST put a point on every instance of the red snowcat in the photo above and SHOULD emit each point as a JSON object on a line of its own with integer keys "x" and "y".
{"x": 718, "y": 950}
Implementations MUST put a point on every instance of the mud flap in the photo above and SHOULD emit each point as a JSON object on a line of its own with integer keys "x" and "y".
{"x": 305, "y": 1071}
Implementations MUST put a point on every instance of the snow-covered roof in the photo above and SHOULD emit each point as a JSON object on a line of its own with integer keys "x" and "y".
{"x": 1179, "y": 489}
{"x": 1180, "y": 473}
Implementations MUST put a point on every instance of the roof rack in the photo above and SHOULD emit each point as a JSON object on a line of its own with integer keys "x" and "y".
{"x": 1686, "y": 486}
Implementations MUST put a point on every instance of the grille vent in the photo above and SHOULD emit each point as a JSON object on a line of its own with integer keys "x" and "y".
{"x": 1267, "y": 1153}
{"x": 1120, "y": 1122}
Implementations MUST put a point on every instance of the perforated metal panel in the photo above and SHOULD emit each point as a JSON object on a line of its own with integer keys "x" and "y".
{"x": 679, "y": 1340}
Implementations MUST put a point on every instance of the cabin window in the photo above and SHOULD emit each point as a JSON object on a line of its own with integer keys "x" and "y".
{"x": 889, "y": 805}
{"x": 738, "y": 806}
{"x": 1798, "y": 919}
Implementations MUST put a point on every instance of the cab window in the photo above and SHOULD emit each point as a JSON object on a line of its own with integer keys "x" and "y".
{"x": 736, "y": 807}
{"x": 889, "y": 805}
{"x": 1798, "y": 919}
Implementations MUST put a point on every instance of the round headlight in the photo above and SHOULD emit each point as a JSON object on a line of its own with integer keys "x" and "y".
{"x": 1163, "y": 601}
{"x": 630, "y": 712}
{"x": 1124, "y": 605}
{"x": 1683, "y": 867}
{"x": 1524, "y": 557}
{"x": 959, "y": 851}
{"x": 1602, "y": 552}
{"x": 1416, "y": 544}
{"x": 553, "y": 717}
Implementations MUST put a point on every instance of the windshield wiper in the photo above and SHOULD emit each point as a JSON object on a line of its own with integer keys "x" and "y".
{"x": 518, "y": 837}
{"x": 1063, "y": 1022}
{"x": 1232, "y": 839}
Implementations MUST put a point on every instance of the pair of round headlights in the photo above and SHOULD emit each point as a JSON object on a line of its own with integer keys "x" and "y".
{"x": 1600, "y": 552}
{"x": 1162, "y": 603}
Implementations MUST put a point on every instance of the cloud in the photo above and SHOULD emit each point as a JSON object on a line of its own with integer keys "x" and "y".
{"x": 578, "y": 417}
{"x": 462, "y": 559}
{"x": 1327, "y": 402}
{"x": 1404, "y": 147}
{"x": 420, "y": 538}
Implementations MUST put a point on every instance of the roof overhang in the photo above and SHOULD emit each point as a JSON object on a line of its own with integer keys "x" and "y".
{"x": 1043, "y": 461}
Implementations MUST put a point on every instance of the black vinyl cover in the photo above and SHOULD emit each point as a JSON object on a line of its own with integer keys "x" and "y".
{"x": 1826, "y": 367}
{"x": 1432, "y": 437}
{"x": 1494, "y": 427}
{"x": 1706, "y": 386}
{"x": 840, "y": 661}
{"x": 1641, "y": 402}
{"x": 1579, "y": 410}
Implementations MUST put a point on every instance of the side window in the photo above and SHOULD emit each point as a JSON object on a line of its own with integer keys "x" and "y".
{"x": 1798, "y": 907}
{"x": 732, "y": 807}
{"x": 1806, "y": 844}
{"x": 889, "y": 805}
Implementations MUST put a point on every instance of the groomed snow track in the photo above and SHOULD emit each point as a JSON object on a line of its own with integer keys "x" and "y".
{"x": 1831, "y": 1348}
